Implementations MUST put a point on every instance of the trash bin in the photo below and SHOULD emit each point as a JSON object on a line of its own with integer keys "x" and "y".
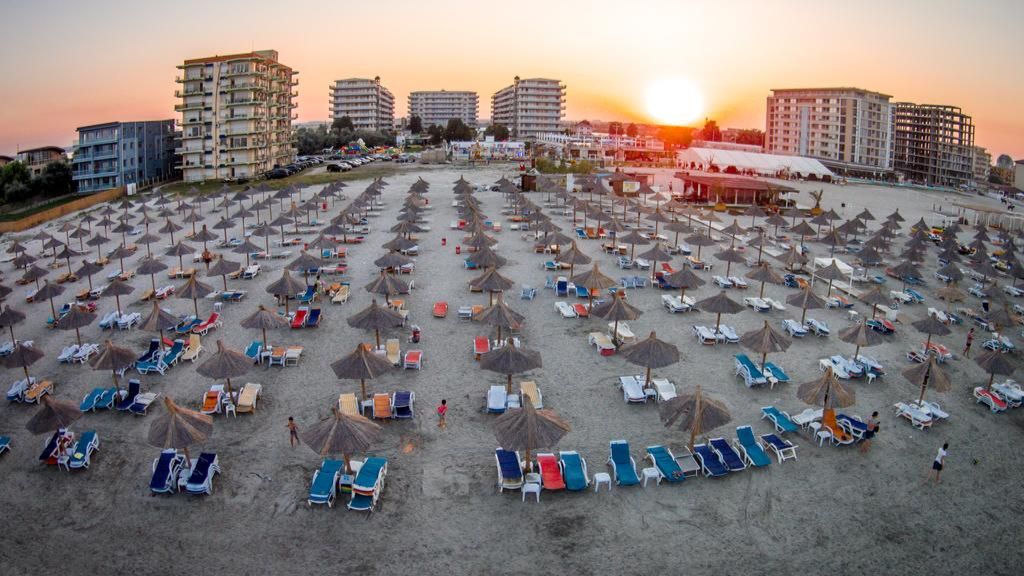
{"x": 458, "y": 249}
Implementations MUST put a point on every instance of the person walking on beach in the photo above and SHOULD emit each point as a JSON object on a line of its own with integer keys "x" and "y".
{"x": 869, "y": 434}
{"x": 940, "y": 461}
{"x": 970, "y": 340}
{"x": 293, "y": 432}
{"x": 442, "y": 411}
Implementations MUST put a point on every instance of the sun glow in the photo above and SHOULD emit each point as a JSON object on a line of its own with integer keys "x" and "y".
{"x": 674, "y": 101}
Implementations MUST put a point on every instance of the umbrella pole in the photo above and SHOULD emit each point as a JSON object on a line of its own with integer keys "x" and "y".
{"x": 53, "y": 311}
{"x": 362, "y": 387}
{"x": 991, "y": 377}
{"x": 803, "y": 315}
{"x": 718, "y": 322}
{"x": 647, "y": 378}
{"x": 117, "y": 298}
{"x": 195, "y": 304}
{"x": 78, "y": 336}
{"x": 508, "y": 384}
{"x": 377, "y": 332}
{"x": 924, "y": 383}
{"x": 762, "y": 290}
{"x": 113, "y": 376}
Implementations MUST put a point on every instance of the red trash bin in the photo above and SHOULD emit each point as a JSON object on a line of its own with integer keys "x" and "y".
{"x": 458, "y": 249}
{"x": 444, "y": 241}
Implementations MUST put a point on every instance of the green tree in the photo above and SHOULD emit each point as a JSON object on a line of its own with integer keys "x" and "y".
{"x": 415, "y": 124}
{"x": 456, "y": 130}
{"x": 499, "y": 132}
{"x": 752, "y": 136}
{"x": 55, "y": 180}
{"x": 13, "y": 173}
{"x": 711, "y": 132}
{"x": 436, "y": 134}
{"x": 632, "y": 130}
{"x": 17, "y": 191}
{"x": 343, "y": 123}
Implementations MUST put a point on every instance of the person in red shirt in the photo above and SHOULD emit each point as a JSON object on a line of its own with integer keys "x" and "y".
{"x": 442, "y": 411}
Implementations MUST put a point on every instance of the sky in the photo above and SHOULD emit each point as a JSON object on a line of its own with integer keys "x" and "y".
{"x": 69, "y": 64}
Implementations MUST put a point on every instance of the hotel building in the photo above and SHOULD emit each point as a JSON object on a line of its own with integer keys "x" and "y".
{"x": 529, "y": 107}
{"x": 368, "y": 104}
{"x": 236, "y": 115}
{"x": 933, "y": 144}
{"x": 847, "y": 129}
{"x": 438, "y": 107}
{"x": 117, "y": 154}
{"x": 35, "y": 159}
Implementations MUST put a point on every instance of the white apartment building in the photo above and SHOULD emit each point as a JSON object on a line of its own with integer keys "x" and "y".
{"x": 982, "y": 164}
{"x": 236, "y": 115}
{"x": 848, "y": 129}
{"x": 439, "y": 106}
{"x": 529, "y": 107}
{"x": 365, "y": 102}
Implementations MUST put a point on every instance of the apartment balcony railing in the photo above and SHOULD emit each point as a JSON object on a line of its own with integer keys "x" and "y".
{"x": 187, "y": 106}
{"x": 249, "y": 102}
{"x": 95, "y": 155}
{"x": 182, "y": 79}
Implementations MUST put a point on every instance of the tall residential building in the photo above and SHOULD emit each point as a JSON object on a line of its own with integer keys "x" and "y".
{"x": 35, "y": 159}
{"x": 116, "y": 154}
{"x": 529, "y": 107}
{"x": 847, "y": 129}
{"x": 933, "y": 144}
{"x": 368, "y": 104}
{"x": 982, "y": 164}
{"x": 236, "y": 115}
{"x": 438, "y": 107}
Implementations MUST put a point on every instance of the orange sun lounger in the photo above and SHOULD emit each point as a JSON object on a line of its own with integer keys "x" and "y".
{"x": 481, "y": 345}
{"x": 440, "y": 309}
{"x": 550, "y": 472}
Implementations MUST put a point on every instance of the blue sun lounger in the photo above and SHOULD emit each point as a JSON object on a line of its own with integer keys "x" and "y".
{"x": 106, "y": 400}
{"x": 582, "y": 292}
{"x": 172, "y": 355}
{"x": 749, "y": 371}
{"x": 5, "y": 444}
{"x": 574, "y": 470}
{"x": 166, "y": 469}
{"x": 187, "y": 326}
{"x": 709, "y": 462}
{"x": 51, "y": 446}
{"x": 781, "y": 421}
{"x": 313, "y": 318}
{"x": 402, "y": 404}
{"x": 134, "y": 387}
{"x": 772, "y": 370}
{"x": 752, "y": 452}
{"x": 324, "y": 488}
{"x": 510, "y": 470}
{"x": 253, "y": 351}
{"x": 623, "y": 465}
{"x": 200, "y": 478}
{"x": 90, "y": 399}
{"x": 81, "y": 454}
{"x": 306, "y": 296}
{"x": 154, "y": 348}
{"x": 727, "y": 455}
{"x": 368, "y": 485}
{"x": 665, "y": 462}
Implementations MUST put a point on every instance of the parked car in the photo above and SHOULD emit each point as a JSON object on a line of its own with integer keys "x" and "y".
{"x": 276, "y": 173}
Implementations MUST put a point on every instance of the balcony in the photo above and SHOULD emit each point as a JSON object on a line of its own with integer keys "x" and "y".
{"x": 186, "y": 107}
{"x": 192, "y": 92}
{"x": 180, "y": 79}
{"x": 249, "y": 102}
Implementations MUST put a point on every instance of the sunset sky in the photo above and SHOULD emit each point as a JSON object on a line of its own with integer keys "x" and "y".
{"x": 68, "y": 64}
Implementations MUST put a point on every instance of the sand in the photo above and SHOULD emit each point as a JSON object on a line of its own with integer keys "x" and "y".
{"x": 441, "y": 512}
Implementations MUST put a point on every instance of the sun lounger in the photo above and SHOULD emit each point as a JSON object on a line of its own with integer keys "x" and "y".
{"x": 990, "y": 399}
{"x": 840, "y": 434}
{"x": 109, "y": 321}
{"x": 340, "y": 295}
{"x": 632, "y": 390}
{"x": 210, "y": 323}
{"x": 709, "y": 461}
{"x": 665, "y": 463}
{"x": 34, "y": 390}
{"x": 565, "y": 309}
{"x": 140, "y": 406}
{"x": 665, "y": 389}
{"x": 529, "y": 389}
{"x": 194, "y": 348}
{"x": 126, "y": 321}
{"x": 166, "y": 469}
{"x": 81, "y": 454}
{"x": 299, "y": 319}
{"x": 674, "y": 304}
{"x": 292, "y": 355}
{"x": 728, "y": 334}
{"x": 704, "y": 335}
{"x": 721, "y": 281}
{"x": 382, "y": 408}
{"x": 603, "y": 343}
{"x": 186, "y": 325}
{"x": 753, "y": 453}
{"x": 67, "y": 354}
{"x": 751, "y": 374}
{"x": 393, "y": 352}
{"x": 728, "y": 456}
{"x": 154, "y": 364}
{"x": 738, "y": 282}
{"x": 16, "y": 393}
{"x": 917, "y": 417}
{"x": 783, "y": 449}
{"x": 413, "y": 360}
{"x": 1010, "y": 392}
{"x": 174, "y": 353}
{"x": 757, "y": 304}
{"x": 581, "y": 310}
{"x": 574, "y": 470}
{"x": 200, "y": 477}
{"x": 403, "y": 404}
{"x": 90, "y": 399}
{"x": 933, "y": 409}
{"x": 550, "y": 472}
{"x": 625, "y": 334}
{"x": 623, "y": 465}
{"x": 774, "y": 303}
{"x": 774, "y": 374}
{"x": 248, "y": 397}
{"x": 252, "y": 271}
{"x": 324, "y": 487}
{"x": 794, "y": 328}
{"x": 781, "y": 420}
{"x": 819, "y": 328}
{"x": 497, "y": 399}
{"x": 128, "y": 396}
{"x": 510, "y": 469}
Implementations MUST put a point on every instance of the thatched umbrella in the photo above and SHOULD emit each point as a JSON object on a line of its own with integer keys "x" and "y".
{"x": 832, "y": 272}
{"x": 179, "y": 428}
{"x": 375, "y": 318}
{"x": 150, "y": 266}
{"x": 827, "y": 392}
{"x": 693, "y": 412}
{"x": 632, "y": 238}
{"x": 763, "y": 274}
{"x": 793, "y": 259}
{"x": 159, "y": 320}
{"x": 932, "y": 327}
{"x": 285, "y": 286}
{"x": 22, "y": 357}
{"x": 98, "y": 240}
{"x": 113, "y": 358}
{"x": 247, "y": 248}
{"x": 193, "y": 290}
{"x": 905, "y": 270}
{"x": 592, "y": 280}
{"x": 700, "y": 240}
{"x": 117, "y": 288}
{"x": 180, "y": 250}
{"x": 361, "y": 364}
{"x": 510, "y": 359}
{"x": 223, "y": 268}
{"x": 225, "y": 225}
{"x": 651, "y": 353}
{"x": 529, "y": 429}
{"x": 9, "y": 317}
{"x": 950, "y": 293}
{"x": 720, "y": 304}
{"x": 491, "y": 281}
{"x": 203, "y": 236}
{"x": 616, "y": 309}
{"x": 995, "y": 362}
{"x": 121, "y": 252}
{"x": 53, "y": 415}
{"x": 341, "y": 434}
{"x": 928, "y": 374}
{"x": 860, "y": 336}
{"x": 684, "y": 279}
{"x": 806, "y": 299}
{"x": 262, "y": 319}
{"x": 500, "y": 316}
{"x": 49, "y": 292}
{"x": 225, "y": 363}
{"x": 875, "y": 298}
{"x": 765, "y": 340}
{"x": 803, "y": 229}
{"x": 486, "y": 257}
{"x": 387, "y": 285}
{"x": 77, "y": 318}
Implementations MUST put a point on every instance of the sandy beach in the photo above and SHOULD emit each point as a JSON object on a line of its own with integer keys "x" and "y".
{"x": 441, "y": 511}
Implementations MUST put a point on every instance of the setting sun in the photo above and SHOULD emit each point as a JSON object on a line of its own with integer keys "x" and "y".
{"x": 674, "y": 101}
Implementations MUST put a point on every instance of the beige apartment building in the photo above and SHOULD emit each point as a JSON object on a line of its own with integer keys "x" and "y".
{"x": 368, "y": 104}
{"x": 982, "y": 164}
{"x": 236, "y": 115}
{"x": 529, "y": 107}
{"x": 850, "y": 130}
{"x": 437, "y": 107}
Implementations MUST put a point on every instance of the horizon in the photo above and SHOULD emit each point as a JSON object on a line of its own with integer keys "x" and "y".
{"x": 607, "y": 55}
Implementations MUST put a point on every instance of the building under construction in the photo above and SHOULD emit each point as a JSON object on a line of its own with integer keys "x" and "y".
{"x": 933, "y": 144}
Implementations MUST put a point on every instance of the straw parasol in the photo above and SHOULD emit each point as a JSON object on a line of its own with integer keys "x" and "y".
{"x": 179, "y": 428}
{"x": 616, "y": 309}
{"x": 529, "y": 429}
{"x": 995, "y": 362}
{"x": 684, "y": 279}
{"x": 150, "y": 266}
{"x": 286, "y": 286}
{"x": 223, "y": 268}
{"x": 193, "y": 290}
{"x": 500, "y": 316}
{"x": 159, "y": 320}
{"x": 114, "y": 358}
{"x": 720, "y": 304}
{"x": 387, "y": 285}
{"x": 860, "y": 336}
{"x": 765, "y": 340}
{"x": 486, "y": 257}
{"x": 827, "y": 392}
{"x": 225, "y": 363}
{"x": 950, "y": 293}
{"x": 832, "y": 272}
{"x": 341, "y": 434}
{"x": 651, "y": 353}
{"x": 510, "y": 359}
{"x": 491, "y": 281}
{"x": 928, "y": 374}
{"x": 22, "y": 357}
{"x": 632, "y": 238}
{"x": 763, "y": 273}
{"x": 700, "y": 240}
{"x": 392, "y": 260}
{"x": 376, "y": 318}
{"x": 693, "y": 412}
{"x": 806, "y": 299}
{"x": 53, "y": 415}
{"x": 9, "y": 317}
{"x": 592, "y": 280}
{"x": 49, "y": 292}
{"x": 77, "y": 318}
{"x": 361, "y": 364}
{"x": 262, "y": 319}
{"x": 932, "y": 327}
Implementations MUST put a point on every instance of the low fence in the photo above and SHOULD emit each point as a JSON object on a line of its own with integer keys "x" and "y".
{"x": 62, "y": 210}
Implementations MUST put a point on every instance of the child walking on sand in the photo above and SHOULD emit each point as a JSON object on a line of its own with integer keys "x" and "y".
{"x": 938, "y": 463}
{"x": 442, "y": 411}
{"x": 293, "y": 432}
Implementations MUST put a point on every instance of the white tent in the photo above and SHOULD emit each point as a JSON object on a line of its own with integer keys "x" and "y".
{"x": 763, "y": 164}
